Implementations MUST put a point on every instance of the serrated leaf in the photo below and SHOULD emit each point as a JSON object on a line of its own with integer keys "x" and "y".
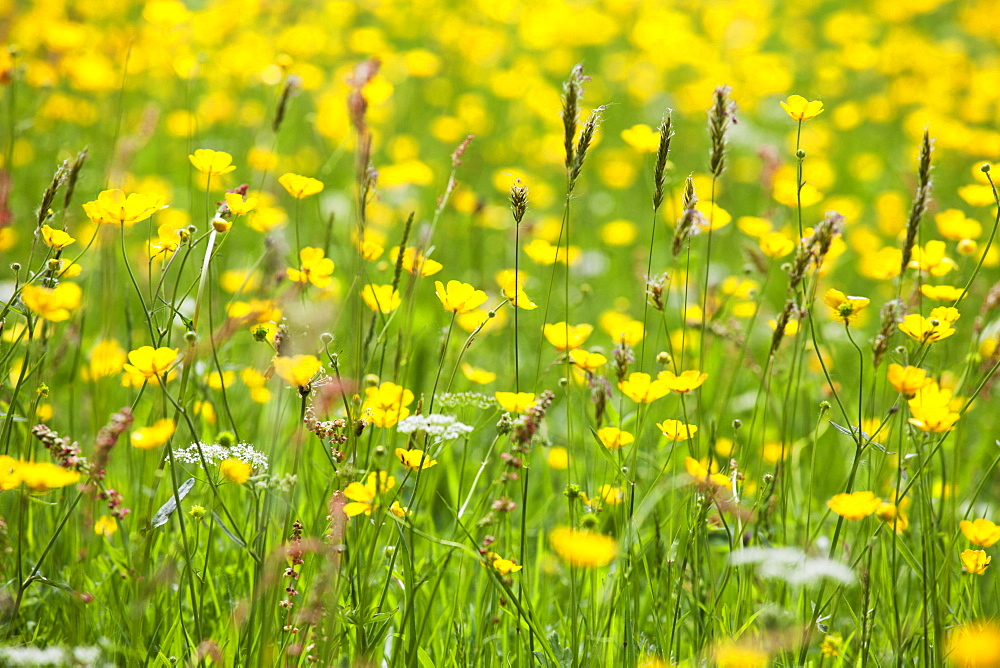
{"x": 162, "y": 515}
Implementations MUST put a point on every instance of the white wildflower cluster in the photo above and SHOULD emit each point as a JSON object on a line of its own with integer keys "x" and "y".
{"x": 792, "y": 565}
{"x": 464, "y": 399}
{"x": 445, "y": 427}
{"x": 50, "y": 656}
{"x": 215, "y": 454}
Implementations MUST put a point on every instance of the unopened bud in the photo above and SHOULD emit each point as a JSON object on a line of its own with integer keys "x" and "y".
{"x": 967, "y": 246}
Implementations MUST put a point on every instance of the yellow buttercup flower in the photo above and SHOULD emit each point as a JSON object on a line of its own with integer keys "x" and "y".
{"x": 150, "y": 362}
{"x": 52, "y": 304}
{"x": 515, "y": 402}
{"x": 908, "y": 380}
{"x": 614, "y": 438}
{"x": 565, "y": 336}
{"x": 558, "y": 458}
{"x": 106, "y": 359}
{"x": 371, "y": 250}
{"x": 168, "y": 238}
{"x": 687, "y": 381}
{"x": 512, "y": 288}
{"x": 933, "y": 328}
{"x": 641, "y": 389}
{"x": 504, "y": 566}
{"x": 930, "y": 409}
{"x": 240, "y": 205}
{"x": 297, "y": 370}
{"x": 955, "y": 226}
{"x": 386, "y": 404}
{"x": 845, "y": 308}
{"x": 585, "y": 549}
{"x": 314, "y": 267}
{"x": 113, "y": 207}
{"x": 622, "y": 328}
{"x": 610, "y": 494}
{"x": 855, "y": 506}
{"x": 8, "y": 473}
{"x": 941, "y": 293}
{"x": 43, "y": 476}
{"x": 458, "y": 297}
{"x": 731, "y": 655}
{"x": 677, "y": 431}
{"x": 382, "y": 298}
{"x": 478, "y": 376}
{"x": 975, "y": 561}
{"x": 414, "y": 262}
{"x": 68, "y": 269}
{"x": 980, "y": 532}
{"x": 414, "y": 459}
{"x": 483, "y": 319}
{"x": 801, "y": 109}
{"x": 362, "y": 496}
{"x": 57, "y": 239}
{"x": 776, "y": 244}
{"x": 235, "y": 470}
{"x": 586, "y": 360}
{"x": 105, "y": 526}
{"x": 300, "y": 186}
{"x": 213, "y": 163}
{"x": 932, "y": 259}
{"x": 975, "y": 645}
{"x": 893, "y": 515}
{"x": 542, "y": 252}
{"x": 641, "y": 137}
{"x": 153, "y": 436}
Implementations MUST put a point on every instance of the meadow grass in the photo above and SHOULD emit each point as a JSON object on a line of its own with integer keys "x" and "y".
{"x": 568, "y": 335}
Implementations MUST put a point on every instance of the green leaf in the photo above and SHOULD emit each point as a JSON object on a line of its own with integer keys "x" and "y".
{"x": 167, "y": 509}
{"x": 226, "y": 529}
{"x": 608, "y": 456}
